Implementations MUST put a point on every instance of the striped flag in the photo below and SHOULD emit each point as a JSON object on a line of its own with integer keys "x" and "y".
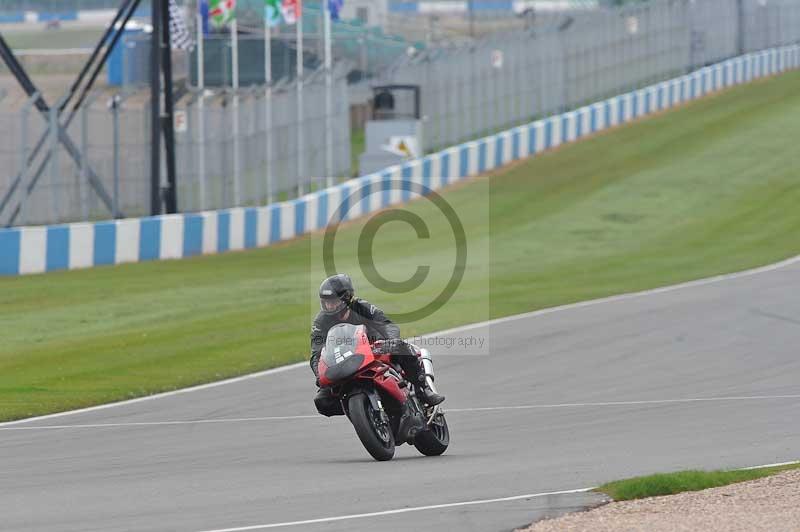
{"x": 179, "y": 31}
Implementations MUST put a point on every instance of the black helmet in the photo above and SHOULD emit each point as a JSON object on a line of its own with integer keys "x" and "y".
{"x": 335, "y": 294}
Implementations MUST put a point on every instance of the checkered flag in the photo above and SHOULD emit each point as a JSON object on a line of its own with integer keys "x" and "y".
{"x": 181, "y": 38}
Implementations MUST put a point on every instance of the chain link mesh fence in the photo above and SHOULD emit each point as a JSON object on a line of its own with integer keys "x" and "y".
{"x": 117, "y": 150}
{"x": 581, "y": 56}
{"x": 206, "y": 156}
{"x": 467, "y": 90}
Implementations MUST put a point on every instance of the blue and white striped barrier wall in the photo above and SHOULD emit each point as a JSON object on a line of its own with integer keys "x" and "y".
{"x": 99, "y": 16}
{"x": 464, "y": 6}
{"x": 29, "y": 250}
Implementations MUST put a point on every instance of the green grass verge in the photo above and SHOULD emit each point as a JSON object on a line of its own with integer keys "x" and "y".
{"x": 703, "y": 190}
{"x": 672, "y": 483}
{"x": 358, "y": 143}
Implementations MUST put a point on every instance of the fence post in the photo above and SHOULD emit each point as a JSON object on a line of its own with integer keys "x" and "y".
{"x": 224, "y": 163}
{"x": 187, "y": 147}
{"x": 54, "y": 170}
{"x": 473, "y": 93}
{"x": 564, "y": 58}
{"x": 201, "y": 113}
{"x": 114, "y": 104}
{"x": 253, "y": 118}
{"x": 300, "y": 109}
{"x": 83, "y": 181}
{"x": 268, "y": 131}
{"x": 237, "y": 163}
{"x": 328, "y": 95}
{"x": 23, "y": 162}
{"x": 201, "y": 148}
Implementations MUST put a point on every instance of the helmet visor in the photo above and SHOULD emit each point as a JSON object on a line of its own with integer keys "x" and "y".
{"x": 331, "y": 305}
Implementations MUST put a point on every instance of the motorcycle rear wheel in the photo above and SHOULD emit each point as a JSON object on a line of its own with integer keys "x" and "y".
{"x": 435, "y": 439}
{"x": 372, "y": 427}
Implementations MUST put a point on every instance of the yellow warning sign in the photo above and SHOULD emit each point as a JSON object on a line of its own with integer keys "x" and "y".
{"x": 404, "y": 146}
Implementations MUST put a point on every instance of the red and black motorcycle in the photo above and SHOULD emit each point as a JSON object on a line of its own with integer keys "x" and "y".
{"x": 371, "y": 392}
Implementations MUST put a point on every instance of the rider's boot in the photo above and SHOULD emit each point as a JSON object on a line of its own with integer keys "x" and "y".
{"x": 410, "y": 423}
{"x": 419, "y": 375}
{"x": 428, "y": 394}
{"x": 425, "y": 387}
{"x": 423, "y": 384}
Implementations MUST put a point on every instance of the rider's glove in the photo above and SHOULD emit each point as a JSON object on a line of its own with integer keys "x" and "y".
{"x": 394, "y": 345}
{"x": 386, "y": 347}
{"x": 379, "y": 347}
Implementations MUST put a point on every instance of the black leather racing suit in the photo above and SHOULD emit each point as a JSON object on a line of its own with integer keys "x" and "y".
{"x": 379, "y": 327}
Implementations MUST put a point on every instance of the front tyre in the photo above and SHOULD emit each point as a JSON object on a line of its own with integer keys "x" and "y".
{"x": 434, "y": 440}
{"x": 372, "y": 427}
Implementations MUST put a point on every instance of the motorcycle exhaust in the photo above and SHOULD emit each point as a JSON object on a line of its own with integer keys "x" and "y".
{"x": 427, "y": 366}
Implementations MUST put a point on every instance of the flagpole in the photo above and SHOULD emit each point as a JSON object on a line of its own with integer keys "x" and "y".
{"x": 268, "y": 99}
{"x": 300, "y": 111}
{"x": 201, "y": 114}
{"x": 328, "y": 95}
{"x": 237, "y": 194}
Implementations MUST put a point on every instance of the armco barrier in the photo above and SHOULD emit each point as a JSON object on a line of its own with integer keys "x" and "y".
{"x": 28, "y": 250}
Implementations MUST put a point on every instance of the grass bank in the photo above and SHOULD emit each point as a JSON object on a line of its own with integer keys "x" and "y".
{"x": 706, "y": 189}
{"x": 672, "y": 483}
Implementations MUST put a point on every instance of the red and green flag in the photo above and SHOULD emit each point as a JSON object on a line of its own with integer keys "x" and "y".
{"x": 292, "y": 10}
{"x": 221, "y": 11}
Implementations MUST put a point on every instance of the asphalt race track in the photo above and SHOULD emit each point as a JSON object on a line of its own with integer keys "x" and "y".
{"x": 700, "y": 376}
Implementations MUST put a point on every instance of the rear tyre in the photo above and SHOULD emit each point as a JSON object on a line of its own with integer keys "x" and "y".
{"x": 372, "y": 427}
{"x": 434, "y": 440}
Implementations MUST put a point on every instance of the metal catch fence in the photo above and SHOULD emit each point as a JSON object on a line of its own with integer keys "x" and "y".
{"x": 582, "y": 56}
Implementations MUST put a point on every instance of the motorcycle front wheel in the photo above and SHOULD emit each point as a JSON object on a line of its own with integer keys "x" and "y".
{"x": 372, "y": 427}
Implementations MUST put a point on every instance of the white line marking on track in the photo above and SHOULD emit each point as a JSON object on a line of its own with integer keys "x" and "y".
{"x": 437, "y": 506}
{"x": 651, "y": 402}
{"x": 624, "y": 297}
{"x": 398, "y": 511}
{"x": 163, "y": 423}
{"x": 611, "y": 299}
{"x": 626, "y": 403}
{"x": 162, "y": 395}
{"x": 769, "y": 465}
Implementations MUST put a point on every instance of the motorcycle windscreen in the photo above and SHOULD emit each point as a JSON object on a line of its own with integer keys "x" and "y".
{"x": 340, "y": 354}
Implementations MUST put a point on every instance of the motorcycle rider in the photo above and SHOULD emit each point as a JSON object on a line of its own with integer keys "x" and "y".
{"x": 339, "y": 305}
